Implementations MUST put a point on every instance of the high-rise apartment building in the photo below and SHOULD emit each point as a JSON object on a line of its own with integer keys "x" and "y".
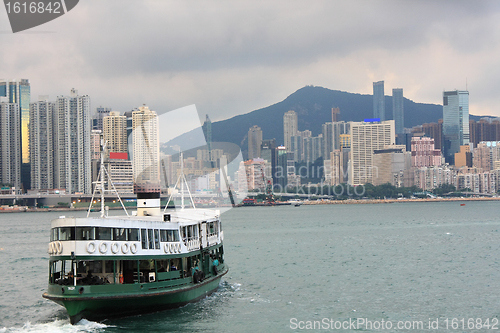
{"x": 71, "y": 135}
{"x": 424, "y": 152}
{"x": 97, "y": 122}
{"x": 365, "y": 138}
{"x": 18, "y": 91}
{"x": 10, "y": 144}
{"x": 398, "y": 110}
{"x": 332, "y": 132}
{"x": 115, "y": 132}
{"x": 455, "y": 122}
{"x": 254, "y": 142}
{"x": 378, "y": 100}
{"x": 290, "y": 127}
{"x": 146, "y": 151}
{"x": 41, "y": 144}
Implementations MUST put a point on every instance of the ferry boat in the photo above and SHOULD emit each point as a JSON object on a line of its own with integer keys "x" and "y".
{"x": 105, "y": 267}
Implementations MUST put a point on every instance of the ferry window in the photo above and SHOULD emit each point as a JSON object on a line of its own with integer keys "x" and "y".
{"x": 157, "y": 239}
{"x": 95, "y": 267}
{"x": 190, "y": 232}
{"x": 175, "y": 236}
{"x": 183, "y": 233}
{"x": 85, "y": 233}
{"x": 150, "y": 239}
{"x": 66, "y": 233}
{"x": 163, "y": 235}
{"x": 144, "y": 238}
{"x": 119, "y": 234}
{"x": 133, "y": 235}
{"x": 103, "y": 233}
{"x": 108, "y": 264}
{"x": 53, "y": 234}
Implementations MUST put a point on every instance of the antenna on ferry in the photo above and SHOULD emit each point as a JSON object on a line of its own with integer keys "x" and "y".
{"x": 182, "y": 179}
{"x": 100, "y": 184}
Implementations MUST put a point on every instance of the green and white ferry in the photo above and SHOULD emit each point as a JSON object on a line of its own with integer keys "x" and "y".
{"x": 105, "y": 267}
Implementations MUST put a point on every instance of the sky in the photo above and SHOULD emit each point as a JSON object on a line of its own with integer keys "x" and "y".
{"x": 232, "y": 57}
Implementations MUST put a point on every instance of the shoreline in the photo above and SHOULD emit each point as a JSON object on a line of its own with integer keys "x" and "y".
{"x": 385, "y": 201}
{"x": 316, "y": 202}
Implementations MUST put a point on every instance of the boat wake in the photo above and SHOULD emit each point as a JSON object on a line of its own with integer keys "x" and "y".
{"x": 58, "y": 326}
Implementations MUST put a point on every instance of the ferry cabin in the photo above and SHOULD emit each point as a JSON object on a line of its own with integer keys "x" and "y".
{"x": 95, "y": 256}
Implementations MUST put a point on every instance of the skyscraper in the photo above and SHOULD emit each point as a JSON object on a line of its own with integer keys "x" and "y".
{"x": 10, "y": 144}
{"x": 290, "y": 127}
{"x": 99, "y": 117}
{"x": 455, "y": 122}
{"x": 365, "y": 138}
{"x": 398, "y": 110}
{"x": 115, "y": 132}
{"x": 146, "y": 151}
{"x": 18, "y": 91}
{"x": 72, "y": 163}
{"x": 41, "y": 144}
{"x": 254, "y": 142}
{"x": 378, "y": 100}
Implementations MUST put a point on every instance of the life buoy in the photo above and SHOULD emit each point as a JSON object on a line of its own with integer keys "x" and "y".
{"x": 172, "y": 247}
{"x": 125, "y": 248}
{"x": 59, "y": 246}
{"x": 115, "y": 248}
{"x": 91, "y": 247}
{"x": 121, "y": 278}
{"x": 166, "y": 248}
{"x": 103, "y": 247}
{"x": 177, "y": 247}
{"x": 133, "y": 248}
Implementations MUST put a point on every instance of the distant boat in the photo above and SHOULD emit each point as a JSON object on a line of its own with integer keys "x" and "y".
{"x": 462, "y": 204}
{"x": 295, "y": 202}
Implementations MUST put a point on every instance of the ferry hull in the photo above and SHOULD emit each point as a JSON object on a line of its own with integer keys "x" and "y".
{"x": 97, "y": 308}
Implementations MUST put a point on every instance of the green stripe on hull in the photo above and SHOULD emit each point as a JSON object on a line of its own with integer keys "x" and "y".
{"x": 103, "y": 306}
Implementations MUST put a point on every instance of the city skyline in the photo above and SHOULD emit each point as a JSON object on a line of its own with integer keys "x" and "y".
{"x": 240, "y": 60}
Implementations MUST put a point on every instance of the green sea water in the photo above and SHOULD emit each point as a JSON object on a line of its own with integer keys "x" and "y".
{"x": 294, "y": 268}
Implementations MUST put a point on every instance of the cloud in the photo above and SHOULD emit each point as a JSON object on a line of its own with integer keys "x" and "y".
{"x": 231, "y": 57}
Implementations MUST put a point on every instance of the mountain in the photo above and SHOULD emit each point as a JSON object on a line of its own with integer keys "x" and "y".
{"x": 313, "y": 105}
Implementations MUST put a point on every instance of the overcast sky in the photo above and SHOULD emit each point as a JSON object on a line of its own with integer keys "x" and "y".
{"x": 232, "y": 57}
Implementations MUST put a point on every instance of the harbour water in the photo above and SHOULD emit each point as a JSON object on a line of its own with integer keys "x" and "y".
{"x": 301, "y": 267}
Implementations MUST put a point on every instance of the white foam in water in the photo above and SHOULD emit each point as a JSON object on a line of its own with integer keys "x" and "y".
{"x": 57, "y": 326}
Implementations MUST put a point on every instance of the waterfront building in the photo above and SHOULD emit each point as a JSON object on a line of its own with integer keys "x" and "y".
{"x": 378, "y": 100}
{"x": 71, "y": 135}
{"x": 424, "y": 153}
{"x": 455, "y": 122}
{"x": 98, "y": 120}
{"x": 120, "y": 171}
{"x": 207, "y": 131}
{"x": 464, "y": 157}
{"x": 365, "y": 138}
{"x": 19, "y": 92}
{"x": 10, "y": 144}
{"x": 268, "y": 152}
{"x": 41, "y": 144}
{"x": 398, "y": 110}
{"x": 429, "y": 178}
{"x": 254, "y": 142}
{"x": 255, "y": 174}
{"x": 312, "y": 148}
{"x": 389, "y": 165}
{"x": 115, "y": 132}
{"x": 146, "y": 150}
{"x": 486, "y": 129}
{"x": 280, "y": 175}
{"x": 290, "y": 127}
{"x": 332, "y": 133}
